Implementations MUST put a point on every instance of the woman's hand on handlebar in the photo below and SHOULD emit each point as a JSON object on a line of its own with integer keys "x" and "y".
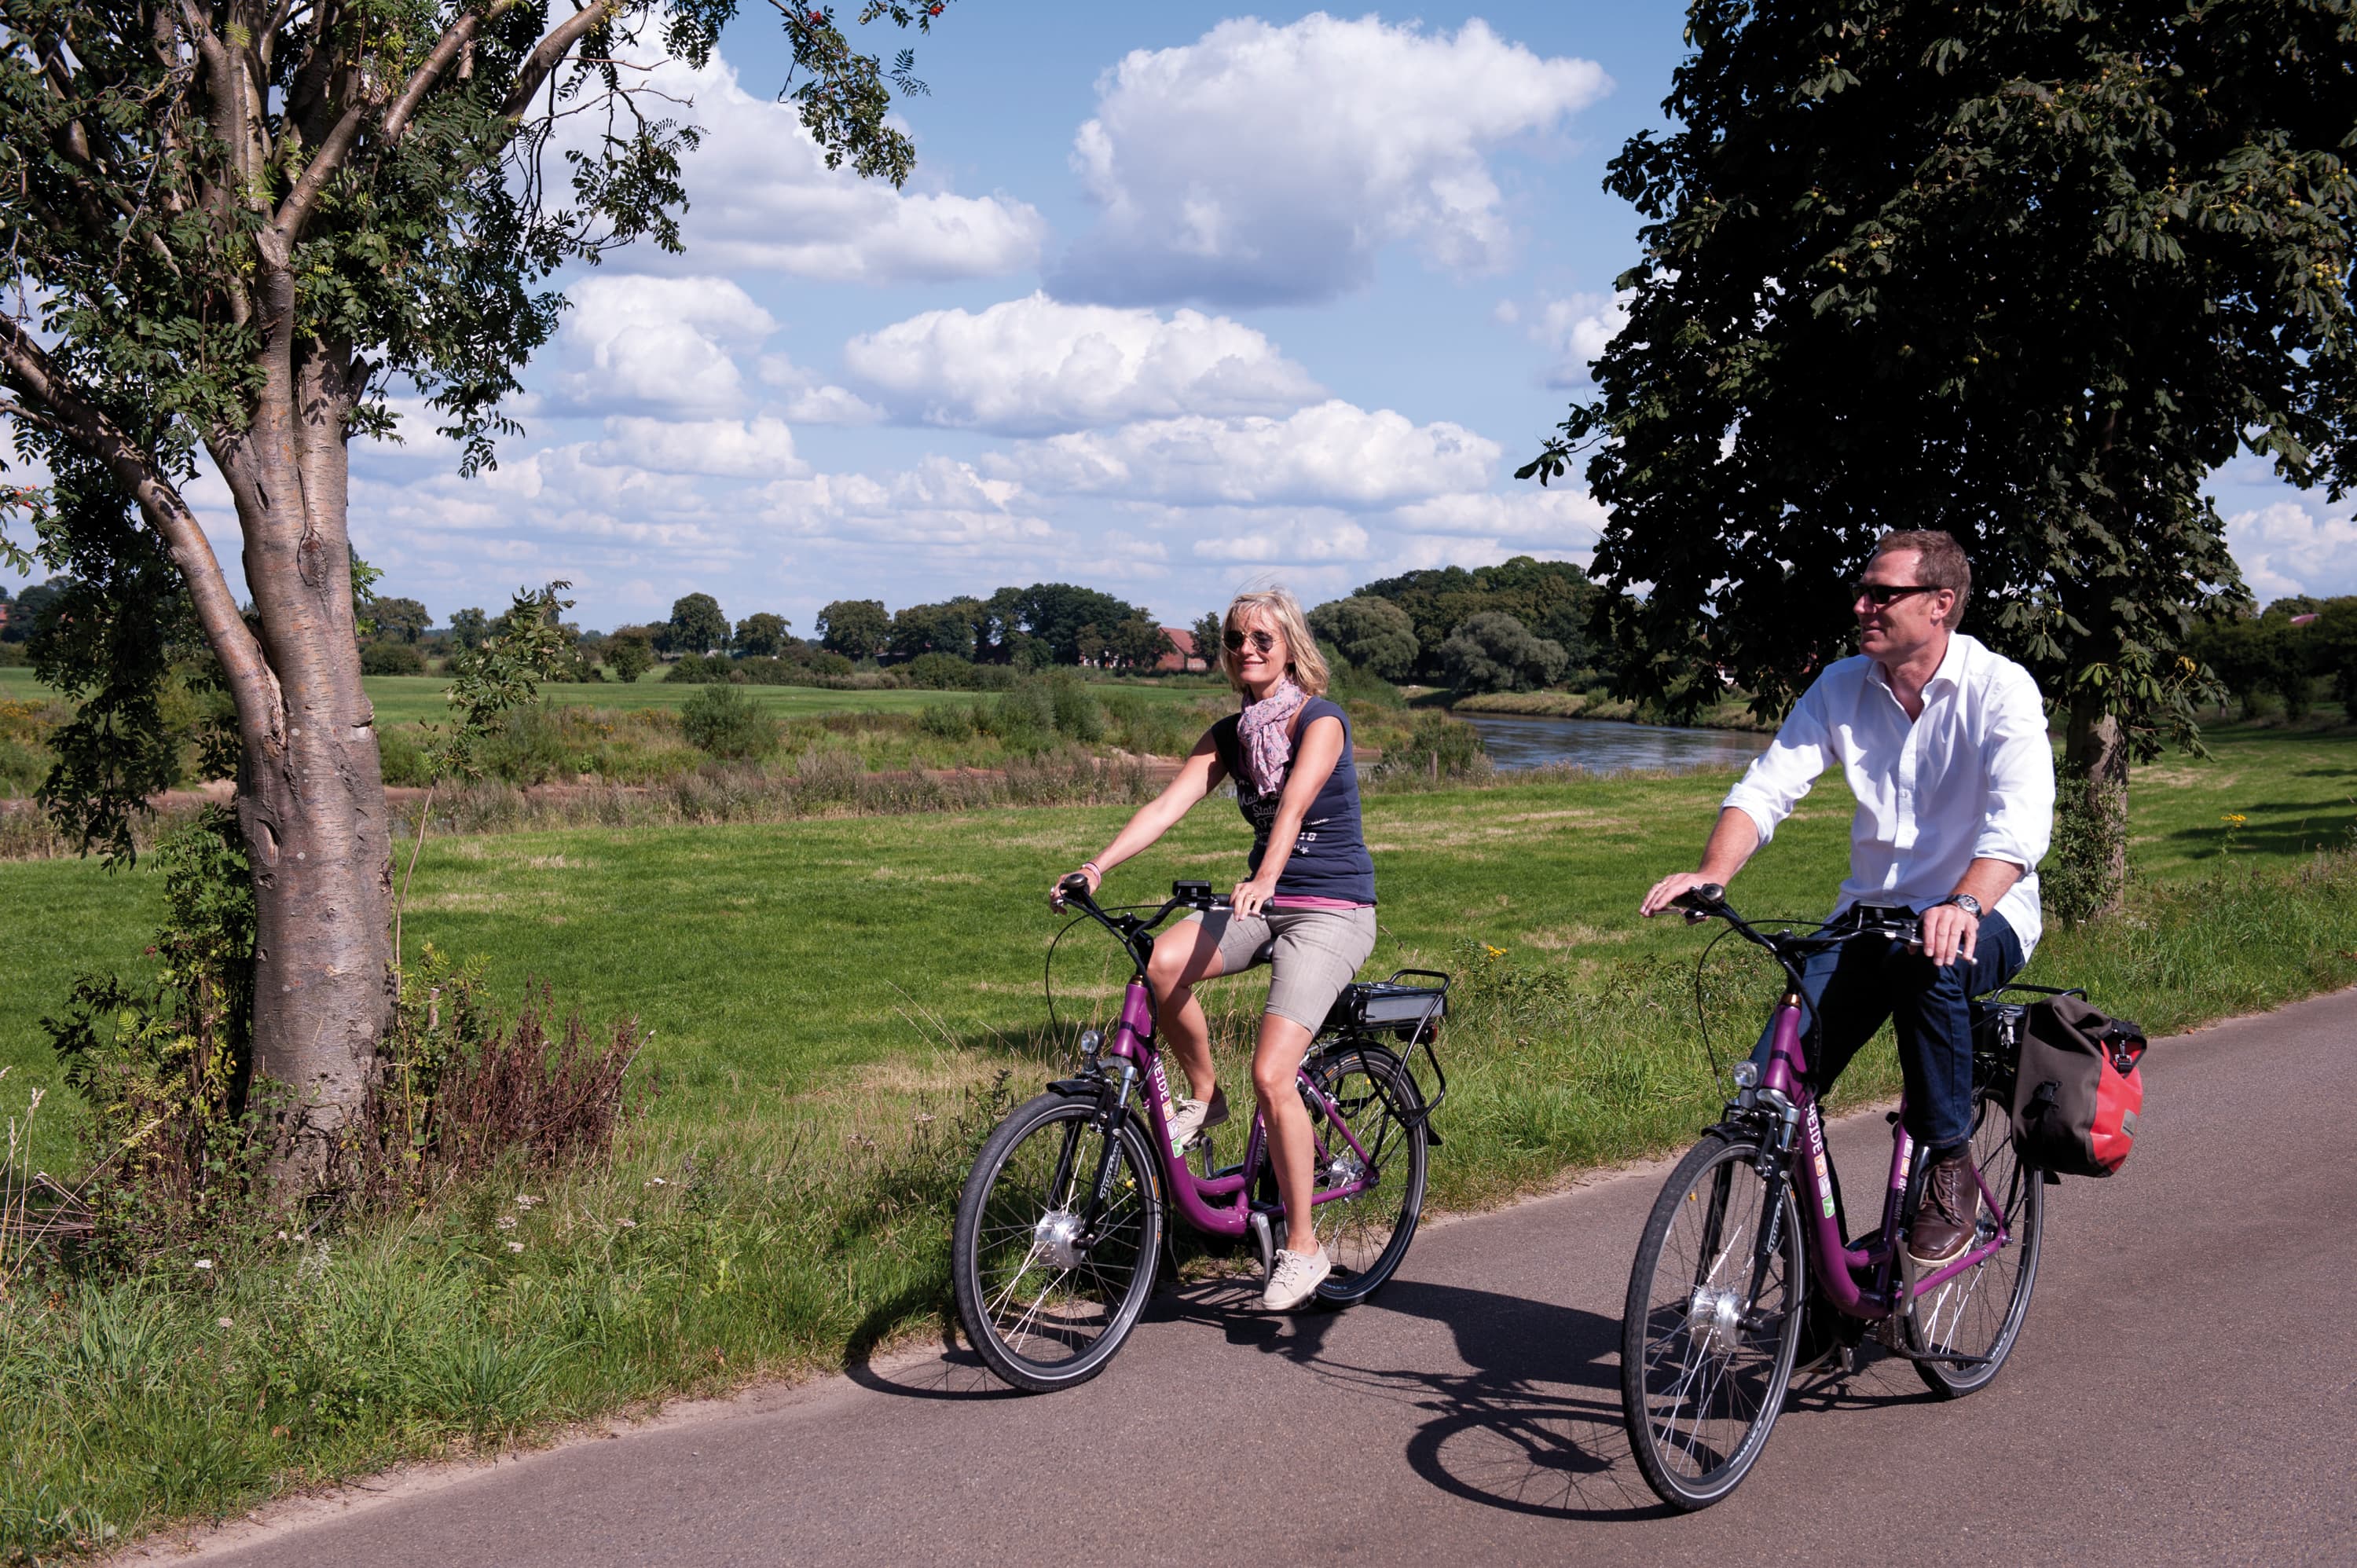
{"x": 1089, "y": 874}
{"x": 1251, "y": 897}
{"x": 1665, "y": 892}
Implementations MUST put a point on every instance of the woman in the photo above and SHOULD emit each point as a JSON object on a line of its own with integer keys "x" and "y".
{"x": 1305, "y": 907}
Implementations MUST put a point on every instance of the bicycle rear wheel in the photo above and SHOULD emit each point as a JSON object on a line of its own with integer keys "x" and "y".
{"x": 1043, "y": 1306}
{"x": 1704, "y": 1357}
{"x": 1979, "y": 1313}
{"x": 1367, "y": 1234}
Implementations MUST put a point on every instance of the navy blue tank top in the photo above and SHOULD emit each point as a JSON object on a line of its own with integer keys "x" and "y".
{"x": 1329, "y": 856}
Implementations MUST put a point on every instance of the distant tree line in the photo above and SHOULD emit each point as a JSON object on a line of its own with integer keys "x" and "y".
{"x": 1515, "y": 626}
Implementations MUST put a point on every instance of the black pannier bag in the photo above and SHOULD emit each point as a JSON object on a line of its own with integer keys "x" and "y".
{"x": 2077, "y": 1092}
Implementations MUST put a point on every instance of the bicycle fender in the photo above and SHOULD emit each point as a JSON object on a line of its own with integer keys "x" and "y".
{"x": 1080, "y": 1087}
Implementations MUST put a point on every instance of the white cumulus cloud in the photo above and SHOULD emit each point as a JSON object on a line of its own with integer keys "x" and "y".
{"x": 1267, "y": 163}
{"x": 761, "y": 199}
{"x": 2286, "y": 550}
{"x": 1334, "y": 453}
{"x": 656, "y": 342}
{"x": 1574, "y": 330}
{"x": 1030, "y": 367}
{"x": 757, "y": 448}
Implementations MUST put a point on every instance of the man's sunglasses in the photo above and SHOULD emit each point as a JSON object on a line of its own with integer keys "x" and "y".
{"x": 1881, "y": 594}
{"x": 1264, "y": 642}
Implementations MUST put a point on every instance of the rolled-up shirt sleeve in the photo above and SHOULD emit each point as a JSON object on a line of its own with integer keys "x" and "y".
{"x": 2017, "y": 812}
{"x": 1780, "y": 775}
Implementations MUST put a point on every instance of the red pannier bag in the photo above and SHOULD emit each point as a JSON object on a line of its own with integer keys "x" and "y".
{"x": 2077, "y": 1092}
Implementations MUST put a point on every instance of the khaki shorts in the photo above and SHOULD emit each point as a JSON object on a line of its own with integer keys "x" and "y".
{"x": 1311, "y": 953}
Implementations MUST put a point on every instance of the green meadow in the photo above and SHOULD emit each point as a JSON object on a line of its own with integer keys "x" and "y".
{"x": 840, "y": 1007}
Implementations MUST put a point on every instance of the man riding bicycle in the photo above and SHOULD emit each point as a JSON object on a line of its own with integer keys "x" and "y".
{"x": 1944, "y": 744}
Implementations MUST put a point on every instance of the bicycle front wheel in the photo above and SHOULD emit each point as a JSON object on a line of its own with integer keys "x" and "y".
{"x": 1711, "y": 1327}
{"x": 1979, "y": 1313}
{"x": 1367, "y": 1234}
{"x": 1044, "y": 1304}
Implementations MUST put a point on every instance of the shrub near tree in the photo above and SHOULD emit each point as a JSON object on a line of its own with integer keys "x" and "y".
{"x": 629, "y": 653}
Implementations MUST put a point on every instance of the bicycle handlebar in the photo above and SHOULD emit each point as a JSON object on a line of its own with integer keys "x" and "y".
{"x": 1128, "y": 929}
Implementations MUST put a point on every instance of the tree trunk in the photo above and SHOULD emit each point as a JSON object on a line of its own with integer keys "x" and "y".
{"x": 311, "y": 795}
{"x": 2095, "y": 770}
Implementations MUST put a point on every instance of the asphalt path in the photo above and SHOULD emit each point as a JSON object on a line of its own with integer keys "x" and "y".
{"x": 2185, "y": 1391}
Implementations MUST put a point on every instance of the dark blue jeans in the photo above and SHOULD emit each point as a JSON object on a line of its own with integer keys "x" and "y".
{"x": 1851, "y": 989}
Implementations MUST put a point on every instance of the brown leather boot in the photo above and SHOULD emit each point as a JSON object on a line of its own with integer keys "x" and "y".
{"x": 1946, "y": 1218}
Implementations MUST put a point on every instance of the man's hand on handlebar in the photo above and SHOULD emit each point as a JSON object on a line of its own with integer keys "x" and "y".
{"x": 1949, "y": 934}
{"x": 1665, "y": 892}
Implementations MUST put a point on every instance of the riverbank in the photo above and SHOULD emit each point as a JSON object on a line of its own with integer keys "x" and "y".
{"x": 1733, "y": 712}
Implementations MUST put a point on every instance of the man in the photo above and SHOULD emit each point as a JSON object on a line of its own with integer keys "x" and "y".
{"x": 1944, "y": 744}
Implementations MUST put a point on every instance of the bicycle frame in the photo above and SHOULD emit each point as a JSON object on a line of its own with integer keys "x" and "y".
{"x": 1863, "y": 1282}
{"x": 1220, "y": 1203}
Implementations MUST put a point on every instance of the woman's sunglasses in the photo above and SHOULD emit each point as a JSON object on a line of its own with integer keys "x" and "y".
{"x": 1264, "y": 642}
{"x": 1881, "y": 594}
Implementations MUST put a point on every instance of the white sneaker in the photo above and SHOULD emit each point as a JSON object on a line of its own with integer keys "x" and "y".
{"x": 1296, "y": 1279}
{"x": 1193, "y": 1116}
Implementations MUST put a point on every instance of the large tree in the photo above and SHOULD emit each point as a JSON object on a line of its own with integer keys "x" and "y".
{"x": 2024, "y": 270}
{"x": 234, "y": 225}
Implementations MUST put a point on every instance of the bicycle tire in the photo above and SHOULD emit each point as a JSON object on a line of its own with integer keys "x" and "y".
{"x": 1007, "y": 1218}
{"x": 1980, "y": 1312}
{"x": 1684, "y": 1338}
{"x": 1368, "y": 1235}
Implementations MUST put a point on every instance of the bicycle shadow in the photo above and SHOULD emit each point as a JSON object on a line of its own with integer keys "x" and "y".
{"x": 1530, "y": 1423}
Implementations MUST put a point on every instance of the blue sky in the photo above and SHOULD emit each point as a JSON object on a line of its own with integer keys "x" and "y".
{"x": 1180, "y": 298}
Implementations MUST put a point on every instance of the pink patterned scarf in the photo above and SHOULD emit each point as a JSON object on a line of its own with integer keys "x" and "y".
{"x": 1267, "y": 744}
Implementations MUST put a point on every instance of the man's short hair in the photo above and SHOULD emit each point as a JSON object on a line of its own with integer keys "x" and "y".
{"x": 1940, "y": 563}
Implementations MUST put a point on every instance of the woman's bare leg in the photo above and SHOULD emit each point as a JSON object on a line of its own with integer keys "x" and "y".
{"x": 1184, "y": 955}
{"x": 1292, "y": 1141}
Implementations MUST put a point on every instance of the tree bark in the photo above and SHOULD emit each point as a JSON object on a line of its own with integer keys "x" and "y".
{"x": 2095, "y": 767}
{"x": 311, "y": 798}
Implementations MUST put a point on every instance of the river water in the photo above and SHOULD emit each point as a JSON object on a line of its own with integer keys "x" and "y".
{"x": 1600, "y": 745}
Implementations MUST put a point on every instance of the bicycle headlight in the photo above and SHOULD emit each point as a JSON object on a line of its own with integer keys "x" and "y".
{"x": 1091, "y": 1042}
{"x": 1747, "y": 1075}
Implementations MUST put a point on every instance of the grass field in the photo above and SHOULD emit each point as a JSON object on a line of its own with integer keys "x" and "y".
{"x": 838, "y": 1007}
{"x": 418, "y": 699}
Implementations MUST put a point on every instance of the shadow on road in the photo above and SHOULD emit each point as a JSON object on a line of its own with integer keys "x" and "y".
{"x": 1529, "y": 1424}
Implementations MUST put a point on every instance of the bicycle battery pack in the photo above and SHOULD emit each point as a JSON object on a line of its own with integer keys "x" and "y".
{"x": 1388, "y": 1008}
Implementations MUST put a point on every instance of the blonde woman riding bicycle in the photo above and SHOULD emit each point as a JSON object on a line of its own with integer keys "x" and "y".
{"x": 1305, "y": 907}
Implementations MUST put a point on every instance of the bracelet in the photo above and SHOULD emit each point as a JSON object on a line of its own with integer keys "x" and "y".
{"x": 1093, "y": 865}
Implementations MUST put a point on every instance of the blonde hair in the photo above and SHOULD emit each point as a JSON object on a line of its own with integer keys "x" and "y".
{"x": 1303, "y": 661}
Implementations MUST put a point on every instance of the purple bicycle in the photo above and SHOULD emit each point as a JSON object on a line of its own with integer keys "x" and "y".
{"x": 1060, "y": 1231}
{"x": 1729, "y": 1279}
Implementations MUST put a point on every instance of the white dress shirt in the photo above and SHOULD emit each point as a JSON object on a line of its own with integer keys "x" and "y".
{"x": 1970, "y": 778}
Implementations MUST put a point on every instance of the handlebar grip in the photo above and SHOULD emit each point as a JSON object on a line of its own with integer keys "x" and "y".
{"x": 1701, "y": 902}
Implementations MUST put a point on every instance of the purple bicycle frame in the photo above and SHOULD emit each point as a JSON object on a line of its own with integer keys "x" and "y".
{"x": 1860, "y": 1280}
{"x": 1220, "y": 1205}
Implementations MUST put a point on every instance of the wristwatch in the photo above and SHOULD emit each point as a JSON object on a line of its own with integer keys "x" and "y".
{"x": 1964, "y": 901}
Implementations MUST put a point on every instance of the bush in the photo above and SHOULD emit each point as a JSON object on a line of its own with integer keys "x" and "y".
{"x": 1024, "y": 718}
{"x": 1077, "y": 713}
{"x": 1374, "y": 634}
{"x": 939, "y": 672}
{"x": 402, "y": 759}
{"x": 1437, "y": 745}
{"x": 727, "y": 723}
{"x": 699, "y": 670}
{"x": 948, "y": 721}
{"x": 390, "y": 658}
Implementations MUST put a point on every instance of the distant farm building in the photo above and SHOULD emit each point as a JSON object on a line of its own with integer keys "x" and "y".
{"x": 1183, "y": 655}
